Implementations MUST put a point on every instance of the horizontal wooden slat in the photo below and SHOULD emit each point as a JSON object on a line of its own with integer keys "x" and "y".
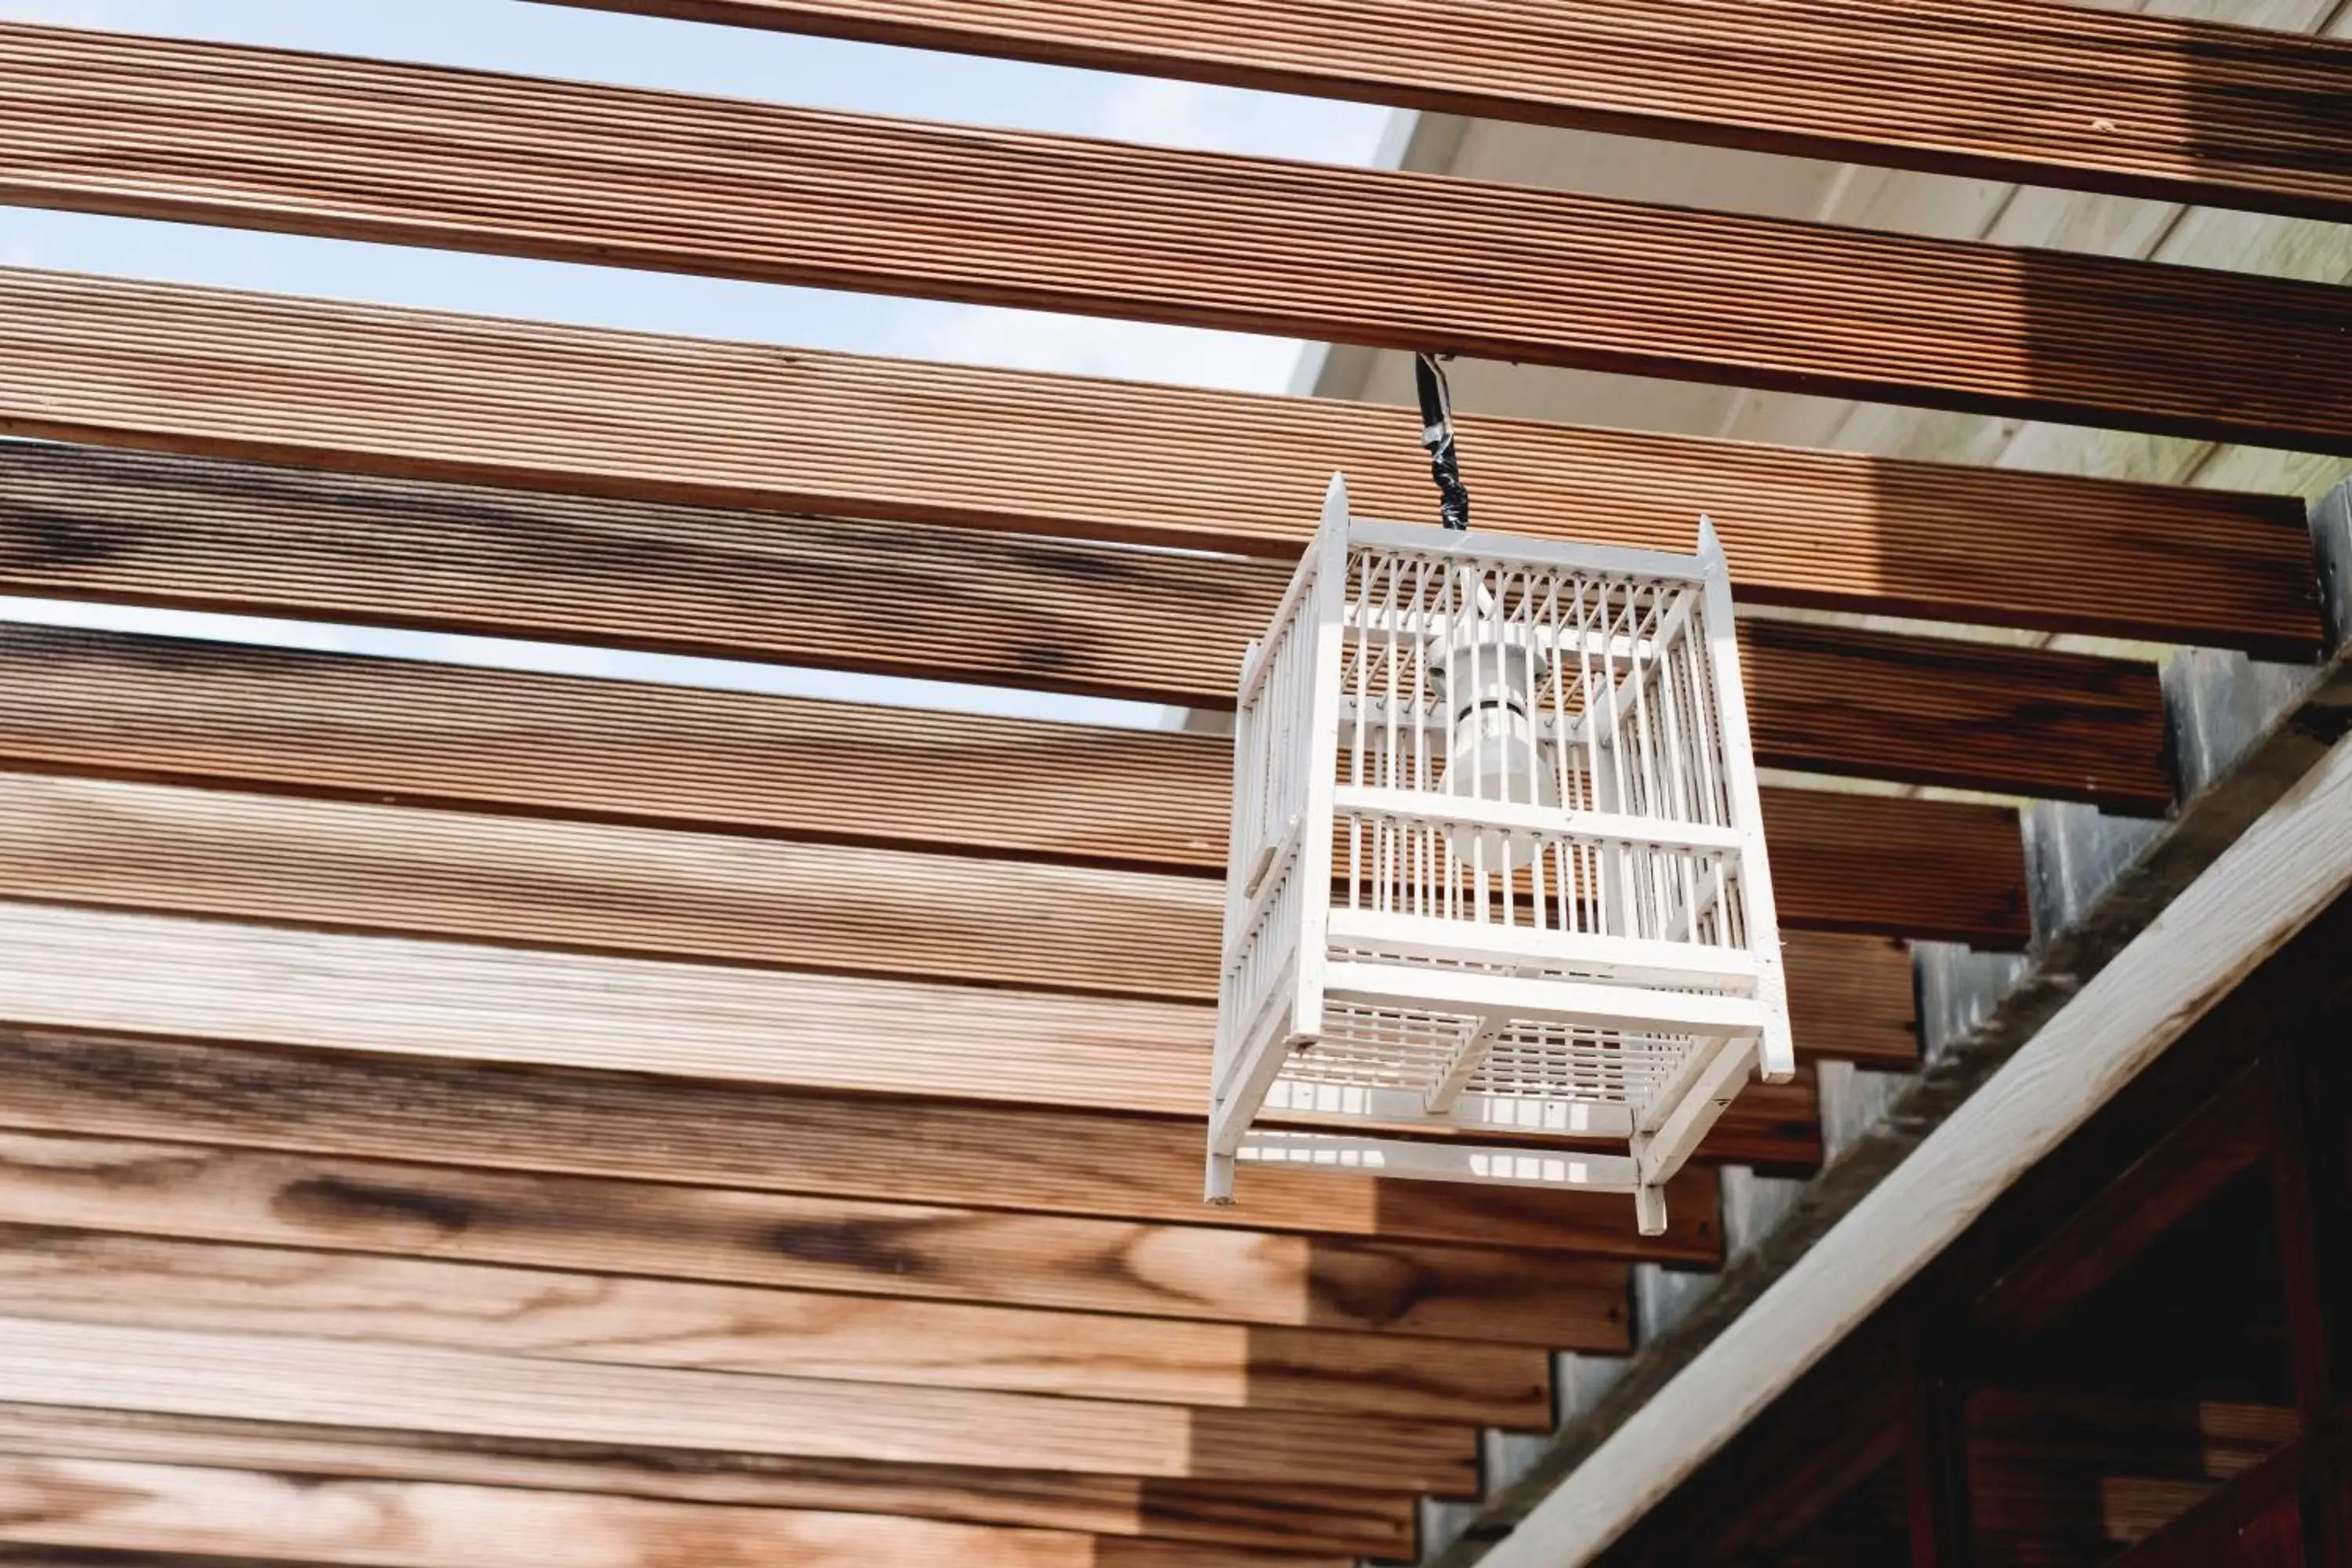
{"x": 1072, "y": 616}
{"x": 1254, "y": 1280}
{"x": 2189, "y": 110}
{"x": 378, "y": 1524}
{"x": 272, "y": 1377}
{"x": 654, "y": 418}
{"x": 180, "y": 712}
{"x": 136, "y": 1281}
{"x": 1299, "y": 1520}
{"x": 658, "y": 893}
{"x": 1093, "y": 1163}
{"x": 420, "y": 155}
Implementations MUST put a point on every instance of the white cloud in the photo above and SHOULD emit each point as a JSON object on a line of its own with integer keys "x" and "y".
{"x": 1224, "y": 119}
{"x": 1082, "y": 346}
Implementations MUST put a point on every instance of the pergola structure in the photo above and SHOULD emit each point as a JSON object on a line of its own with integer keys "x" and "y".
{"x": 455, "y": 1115}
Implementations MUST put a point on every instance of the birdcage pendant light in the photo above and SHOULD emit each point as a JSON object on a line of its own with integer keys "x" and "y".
{"x": 1497, "y": 906}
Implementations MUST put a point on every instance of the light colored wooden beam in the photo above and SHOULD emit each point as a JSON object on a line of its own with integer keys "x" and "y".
{"x": 423, "y": 155}
{"x": 350, "y": 1382}
{"x": 2228, "y": 117}
{"x": 247, "y": 1515}
{"x": 413, "y": 394}
{"x": 1099, "y": 1164}
{"x": 1300, "y": 1520}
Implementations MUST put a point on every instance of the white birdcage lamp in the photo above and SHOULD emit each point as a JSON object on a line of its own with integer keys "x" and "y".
{"x": 1498, "y": 908}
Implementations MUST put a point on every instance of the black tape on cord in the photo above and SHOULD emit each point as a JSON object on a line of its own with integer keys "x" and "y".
{"x": 1437, "y": 436}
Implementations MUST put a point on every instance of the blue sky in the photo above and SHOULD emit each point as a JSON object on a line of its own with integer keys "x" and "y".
{"x": 557, "y": 41}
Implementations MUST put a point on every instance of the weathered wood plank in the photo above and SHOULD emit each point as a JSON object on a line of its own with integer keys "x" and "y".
{"x": 378, "y": 1524}
{"x": 1252, "y": 1278}
{"x": 657, "y": 893}
{"x": 1321, "y": 1519}
{"x": 415, "y": 155}
{"x": 749, "y": 1136}
{"x": 748, "y": 426}
{"x": 2224, "y": 116}
{"x": 175, "y": 711}
{"x": 1071, "y": 616}
{"x": 83, "y": 1277}
{"x": 258, "y": 1377}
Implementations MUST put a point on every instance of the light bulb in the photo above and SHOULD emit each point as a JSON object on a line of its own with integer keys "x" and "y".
{"x": 1487, "y": 679}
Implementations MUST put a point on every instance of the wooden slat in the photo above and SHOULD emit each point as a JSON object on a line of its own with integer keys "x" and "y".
{"x": 1093, "y": 1163}
{"x": 1263, "y": 1281}
{"x": 180, "y": 712}
{"x": 1070, "y": 616}
{"x": 379, "y": 1525}
{"x": 651, "y": 892}
{"x": 136, "y": 1281}
{"x": 1295, "y": 1520}
{"x": 2190, "y": 110}
{"x": 419, "y": 155}
{"x": 654, "y": 418}
{"x": 257, "y": 1377}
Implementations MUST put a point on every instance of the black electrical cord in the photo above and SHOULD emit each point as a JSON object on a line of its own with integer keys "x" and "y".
{"x": 1437, "y": 436}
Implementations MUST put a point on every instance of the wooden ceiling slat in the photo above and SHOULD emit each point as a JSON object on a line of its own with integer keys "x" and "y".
{"x": 420, "y": 155}
{"x": 1096, "y": 1164}
{"x": 650, "y": 418}
{"x": 1069, "y": 616}
{"x": 139, "y": 1281}
{"x": 1266, "y": 1282}
{"x": 332, "y": 725}
{"x": 1296, "y": 1519}
{"x": 252, "y": 1515}
{"x": 651, "y": 892}
{"x": 273, "y": 1377}
{"x": 100, "y": 970}
{"x": 2190, "y": 112}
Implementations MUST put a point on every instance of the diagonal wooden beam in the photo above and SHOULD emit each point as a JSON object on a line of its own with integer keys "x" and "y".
{"x": 632, "y": 416}
{"x": 2188, "y": 111}
{"x": 330, "y": 725}
{"x": 1097, "y": 620}
{"x": 424, "y": 155}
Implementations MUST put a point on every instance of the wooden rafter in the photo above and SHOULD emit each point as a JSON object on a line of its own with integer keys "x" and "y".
{"x": 654, "y": 418}
{"x": 2189, "y": 110}
{"x": 415, "y": 155}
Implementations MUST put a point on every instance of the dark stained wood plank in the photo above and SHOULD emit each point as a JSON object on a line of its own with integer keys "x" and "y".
{"x": 1061, "y": 615}
{"x": 2224, "y": 116}
{"x": 1232, "y": 1514}
{"x": 175, "y": 711}
{"x": 415, "y": 155}
{"x": 651, "y": 418}
{"x": 748, "y": 1136}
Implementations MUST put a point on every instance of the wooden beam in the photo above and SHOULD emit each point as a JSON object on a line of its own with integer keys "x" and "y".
{"x": 424, "y": 155}
{"x": 750, "y": 1136}
{"x": 1098, "y": 620}
{"x": 1256, "y": 1280}
{"x": 331, "y": 725}
{"x": 2229, "y": 116}
{"x": 137, "y": 1281}
{"x": 1230, "y": 1513}
{"x": 647, "y": 418}
{"x": 351, "y": 1382}
{"x": 379, "y": 1525}
{"x": 654, "y": 893}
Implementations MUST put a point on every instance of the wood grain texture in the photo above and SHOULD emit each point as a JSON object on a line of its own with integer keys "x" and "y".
{"x": 657, "y": 893}
{"x": 175, "y": 711}
{"x": 1230, "y": 1513}
{"x": 749, "y": 1136}
{"x": 652, "y": 419}
{"x": 2229, "y": 117}
{"x": 414, "y": 154}
{"x": 93, "y": 1278}
{"x": 377, "y": 1524}
{"x": 1098, "y": 620}
{"x": 1249, "y": 1279}
{"x": 258, "y": 1377}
